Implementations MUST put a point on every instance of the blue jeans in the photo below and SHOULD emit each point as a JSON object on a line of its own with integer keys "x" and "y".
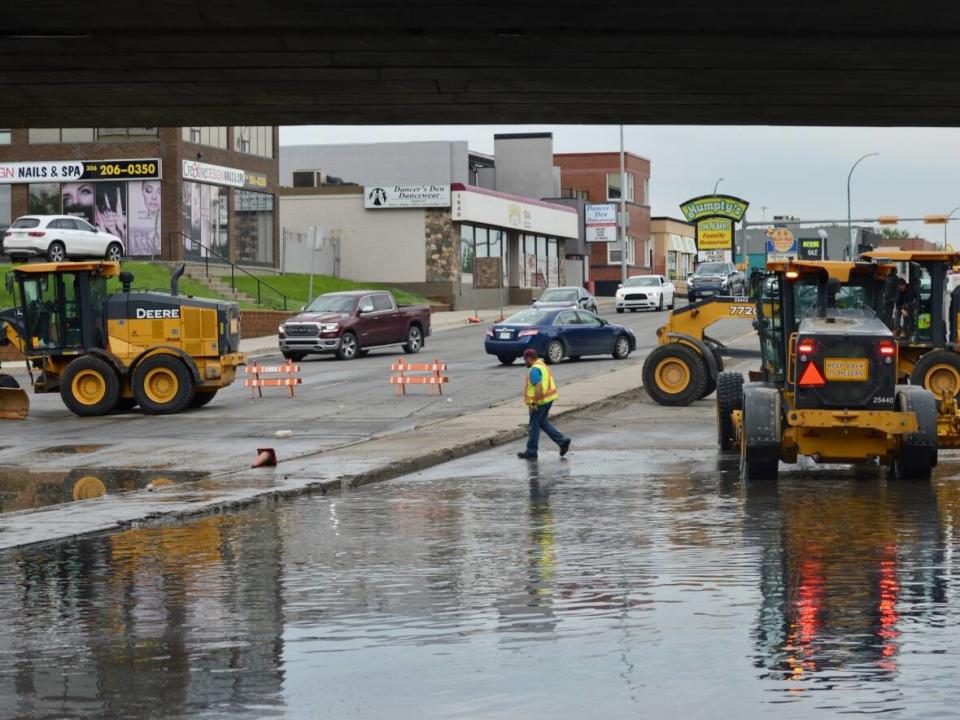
{"x": 538, "y": 420}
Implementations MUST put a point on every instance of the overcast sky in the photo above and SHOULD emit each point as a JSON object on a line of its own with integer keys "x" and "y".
{"x": 798, "y": 171}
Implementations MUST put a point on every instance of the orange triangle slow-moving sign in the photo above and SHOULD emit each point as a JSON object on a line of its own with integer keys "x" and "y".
{"x": 812, "y": 377}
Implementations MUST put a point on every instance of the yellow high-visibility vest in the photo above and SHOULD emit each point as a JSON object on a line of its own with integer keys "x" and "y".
{"x": 547, "y": 384}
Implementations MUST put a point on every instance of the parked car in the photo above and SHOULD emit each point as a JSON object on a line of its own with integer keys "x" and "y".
{"x": 348, "y": 324}
{"x": 561, "y": 297}
{"x": 716, "y": 278}
{"x": 58, "y": 237}
{"x": 556, "y": 334}
{"x": 645, "y": 292}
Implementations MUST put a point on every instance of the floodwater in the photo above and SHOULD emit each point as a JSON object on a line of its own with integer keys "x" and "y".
{"x": 609, "y": 584}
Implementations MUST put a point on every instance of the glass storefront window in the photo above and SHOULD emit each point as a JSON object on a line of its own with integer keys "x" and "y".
{"x": 553, "y": 263}
{"x": 256, "y": 140}
{"x": 467, "y": 253}
{"x": 253, "y": 213}
{"x": 204, "y": 221}
{"x": 44, "y": 135}
{"x": 120, "y": 134}
{"x": 44, "y": 199}
{"x": 5, "y": 136}
{"x": 210, "y": 136}
{"x": 5, "y": 206}
{"x": 76, "y": 134}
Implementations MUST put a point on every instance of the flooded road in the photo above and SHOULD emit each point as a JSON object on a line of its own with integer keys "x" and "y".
{"x": 622, "y": 581}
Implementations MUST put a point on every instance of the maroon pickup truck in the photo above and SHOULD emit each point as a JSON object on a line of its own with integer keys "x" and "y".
{"x": 348, "y": 324}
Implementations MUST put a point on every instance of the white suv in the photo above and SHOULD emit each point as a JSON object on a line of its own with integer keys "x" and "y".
{"x": 58, "y": 237}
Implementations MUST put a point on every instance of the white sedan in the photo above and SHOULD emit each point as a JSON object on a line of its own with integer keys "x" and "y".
{"x": 645, "y": 292}
{"x": 58, "y": 237}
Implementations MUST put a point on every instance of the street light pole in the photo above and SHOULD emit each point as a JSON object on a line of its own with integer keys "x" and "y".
{"x": 853, "y": 250}
{"x": 950, "y": 215}
{"x": 623, "y": 213}
{"x": 716, "y": 185}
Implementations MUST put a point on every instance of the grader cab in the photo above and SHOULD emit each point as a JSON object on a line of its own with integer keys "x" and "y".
{"x": 105, "y": 352}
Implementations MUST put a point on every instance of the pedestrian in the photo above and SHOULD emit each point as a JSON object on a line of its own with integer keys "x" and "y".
{"x": 539, "y": 394}
{"x": 906, "y": 306}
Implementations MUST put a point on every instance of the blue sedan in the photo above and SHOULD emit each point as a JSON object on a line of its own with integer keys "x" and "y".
{"x": 556, "y": 334}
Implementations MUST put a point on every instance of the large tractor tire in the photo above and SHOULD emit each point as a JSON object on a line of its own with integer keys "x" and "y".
{"x": 918, "y": 451}
{"x": 939, "y": 372}
{"x": 675, "y": 374}
{"x": 163, "y": 385}
{"x": 711, "y": 383}
{"x": 729, "y": 398}
{"x": 90, "y": 386}
{"x": 762, "y": 428}
{"x": 202, "y": 398}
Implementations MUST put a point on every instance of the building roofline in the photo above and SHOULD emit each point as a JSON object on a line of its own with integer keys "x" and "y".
{"x": 608, "y": 152}
{"x": 461, "y": 187}
{"x": 671, "y": 219}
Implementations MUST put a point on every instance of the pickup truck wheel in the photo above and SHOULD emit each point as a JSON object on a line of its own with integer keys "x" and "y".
{"x": 349, "y": 347}
{"x": 414, "y": 340}
{"x": 506, "y": 359}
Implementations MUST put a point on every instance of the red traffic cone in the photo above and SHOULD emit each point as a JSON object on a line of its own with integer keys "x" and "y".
{"x": 266, "y": 457}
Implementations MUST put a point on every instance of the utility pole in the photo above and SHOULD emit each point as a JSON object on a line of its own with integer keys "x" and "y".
{"x": 623, "y": 213}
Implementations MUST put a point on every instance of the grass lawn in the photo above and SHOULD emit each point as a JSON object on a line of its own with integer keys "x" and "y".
{"x": 295, "y": 287}
{"x": 145, "y": 276}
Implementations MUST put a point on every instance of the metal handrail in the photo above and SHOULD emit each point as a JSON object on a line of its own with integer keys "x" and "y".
{"x": 171, "y": 236}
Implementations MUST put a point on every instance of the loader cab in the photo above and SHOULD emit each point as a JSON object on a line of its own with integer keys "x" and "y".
{"x": 920, "y": 311}
{"x": 61, "y": 307}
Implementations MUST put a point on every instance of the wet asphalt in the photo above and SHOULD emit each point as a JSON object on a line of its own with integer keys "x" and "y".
{"x": 637, "y": 577}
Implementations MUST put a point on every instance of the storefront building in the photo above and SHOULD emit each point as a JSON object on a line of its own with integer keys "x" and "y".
{"x": 595, "y": 177}
{"x": 466, "y": 245}
{"x": 168, "y": 193}
{"x": 674, "y": 249}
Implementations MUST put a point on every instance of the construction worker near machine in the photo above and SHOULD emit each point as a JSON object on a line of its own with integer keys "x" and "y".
{"x": 905, "y": 307}
{"x": 539, "y": 394}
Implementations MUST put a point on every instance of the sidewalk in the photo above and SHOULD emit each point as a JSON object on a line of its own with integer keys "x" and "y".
{"x": 439, "y": 322}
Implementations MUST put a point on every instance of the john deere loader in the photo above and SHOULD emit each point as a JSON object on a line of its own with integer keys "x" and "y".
{"x": 107, "y": 352}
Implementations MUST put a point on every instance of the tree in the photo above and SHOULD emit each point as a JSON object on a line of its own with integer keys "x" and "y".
{"x": 895, "y": 236}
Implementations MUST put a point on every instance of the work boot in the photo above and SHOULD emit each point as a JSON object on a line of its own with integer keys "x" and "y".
{"x": 564, "y": 447}
{"x": 526, "y": 456}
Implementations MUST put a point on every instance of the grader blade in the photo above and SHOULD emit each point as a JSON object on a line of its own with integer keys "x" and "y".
{"x": 14, "y": 402}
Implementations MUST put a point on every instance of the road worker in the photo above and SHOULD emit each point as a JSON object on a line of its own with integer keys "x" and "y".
{"x": 539, "y": 394}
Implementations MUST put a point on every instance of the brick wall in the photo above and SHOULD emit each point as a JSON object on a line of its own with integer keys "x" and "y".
{"x": 258, "y": 323}
{"x": 9, "y": 353}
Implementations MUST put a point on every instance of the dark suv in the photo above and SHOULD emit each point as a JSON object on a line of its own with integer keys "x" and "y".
{"x": 716, "y": 278}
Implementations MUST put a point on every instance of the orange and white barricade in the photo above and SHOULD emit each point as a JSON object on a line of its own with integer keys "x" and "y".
{"x": 423, "y": 374}
{"x": 286, "y": 375}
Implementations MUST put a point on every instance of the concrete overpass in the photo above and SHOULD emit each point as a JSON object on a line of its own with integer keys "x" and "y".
{"x": 174, "y": 63}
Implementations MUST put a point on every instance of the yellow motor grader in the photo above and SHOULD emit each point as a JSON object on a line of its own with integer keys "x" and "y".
{"x": 108, "y": 352}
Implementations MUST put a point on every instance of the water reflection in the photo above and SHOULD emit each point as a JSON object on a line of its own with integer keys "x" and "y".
{"x": 842, "y": 563}
{"x": 159, "y": 622}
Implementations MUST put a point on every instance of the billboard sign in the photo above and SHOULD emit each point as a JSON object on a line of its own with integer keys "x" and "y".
{"x": 406, "y": 196}
{"x": 811, "y": 249}
{"x": 600, "y": 222}
{"x": 707, "y": 206}
{"x": 781, "y": 244}
{"x": 79, "y": 170}
{"x": 715, "y": 234}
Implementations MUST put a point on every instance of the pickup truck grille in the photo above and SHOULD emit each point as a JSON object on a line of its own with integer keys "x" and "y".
{"x": 301, "y": 330}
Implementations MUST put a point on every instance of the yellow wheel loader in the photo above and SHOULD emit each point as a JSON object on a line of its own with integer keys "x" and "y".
{"x": 686, "y": 362}
{"x": 827, "y": 388}
{"x": 106, "y": 352}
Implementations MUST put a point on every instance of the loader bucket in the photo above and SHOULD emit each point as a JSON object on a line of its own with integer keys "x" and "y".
{"x": 14, "y": 402}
